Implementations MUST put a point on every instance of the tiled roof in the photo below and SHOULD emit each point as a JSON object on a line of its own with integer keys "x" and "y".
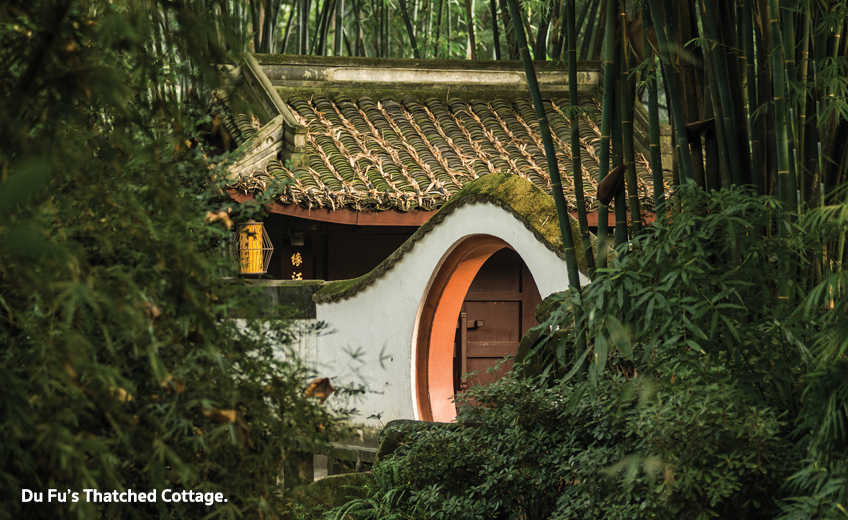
{"x": 401, "y": 151}
{"x": 366, "y": 154}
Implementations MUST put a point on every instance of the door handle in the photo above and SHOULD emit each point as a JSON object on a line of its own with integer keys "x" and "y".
{"x": 472, "y": 324}
{"x": 463, "y": 349}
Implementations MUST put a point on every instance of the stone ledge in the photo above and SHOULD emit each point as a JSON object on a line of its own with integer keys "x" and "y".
{"x": 296, "y": 294}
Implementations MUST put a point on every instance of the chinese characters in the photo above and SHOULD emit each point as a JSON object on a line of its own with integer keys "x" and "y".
{"x": 296, "y": 261}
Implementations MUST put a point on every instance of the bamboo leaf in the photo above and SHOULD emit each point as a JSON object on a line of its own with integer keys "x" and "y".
{"x": 601, "y": 352}
{"x": 619, "y": 336}
{"x": 695, "y": 346}
{"x": 694, "y": 328}
{"x": 731, "y": 328}
{"x": 649, "y": 312}
{"x": 575, "y": 398}
{"x": 577, "y": 366}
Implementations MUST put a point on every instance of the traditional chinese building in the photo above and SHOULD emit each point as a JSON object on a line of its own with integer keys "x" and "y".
{"x": 415, "y": 216}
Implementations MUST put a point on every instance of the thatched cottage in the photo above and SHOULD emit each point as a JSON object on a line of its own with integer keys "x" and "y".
{"x": 415, "y": 217}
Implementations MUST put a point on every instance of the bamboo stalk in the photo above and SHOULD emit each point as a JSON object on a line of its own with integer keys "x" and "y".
{"x": 409, "y": 30}
{"x": 620, "y": 206}
{"x": 285, "y": 45}
{"x": 560, "y": 32}
{"x": 265, "y": 31}
{"x": 722, "y": 84}
{"x": 789, "y": 47}
{"x": 428, "y": 27}
{"x": 449, "y": 32}
{"x": 753, "y": 98}
{"x": 628, "y": 85}
{"x": 844, "y": 50}
{"x": 712, "y": 169}
{"x": 580, "y": 23}
{"x": 540, "y": 49}
{"x": 805, "y": 176}
{"x": 255, "y": 8}
{"x": 606, "y": 129}
{"x": 718, "y": 114}
{"x": 576, "y": 161}
{"x": 690, "y": 87}
{"x": 556, "y": 181}
{"x": 338, "y": 36}
{"x": 833, "y": 128}
{"x": 496, "y": 37}
{"x": 778, "y": 66}
{"x": 325, "y": 26}
{"x": 438, "y": 28}
{"x": 742, "y": 54}
{"x": 318, "y": 18}
{"x": 821, "y": 46}
{"x": 302, "y": 26}
{"x": 510, "y": 34}
{"x": 764, "y": 94}
{"x": 550, "y": 151}
{"x": 587, "y": 34}
{"x": 835, "y": 37}
{"x": 529, "y": 29}
{"x": 653, "y": 120}
{"x": 469, "y": 27}
{"x": 272, "y": 33}
{"x": 737, "y": 99}
{"x": 599, "y": 37}
{"x": 673, "y": 94}
{"x": 384, "y": 33}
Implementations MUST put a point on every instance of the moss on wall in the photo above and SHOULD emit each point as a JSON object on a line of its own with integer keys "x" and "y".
{"x": 523, "y": 199}
{"x": 551, "y": 303}
{"x": 296, "y": 295}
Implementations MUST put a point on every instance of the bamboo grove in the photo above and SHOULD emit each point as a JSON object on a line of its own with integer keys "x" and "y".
{"x": 755, "y": 89}
{"x": 427, "y": 29}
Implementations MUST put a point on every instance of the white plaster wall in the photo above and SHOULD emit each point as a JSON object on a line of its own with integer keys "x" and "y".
{"x": 373, "y": 333}
{"x": 302, "y": 340}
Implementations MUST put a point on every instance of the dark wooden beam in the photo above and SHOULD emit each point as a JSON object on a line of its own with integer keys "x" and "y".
{"x": 367, "y": 217}
{"x": 364, "y": 217}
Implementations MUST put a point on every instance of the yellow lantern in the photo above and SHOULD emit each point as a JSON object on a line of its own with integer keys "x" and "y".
{"x": 252, "y": 248}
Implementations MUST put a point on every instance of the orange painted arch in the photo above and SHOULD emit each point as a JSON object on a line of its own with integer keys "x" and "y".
{"x": 437, "y": 324}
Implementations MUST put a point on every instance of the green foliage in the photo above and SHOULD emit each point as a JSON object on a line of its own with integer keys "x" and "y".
{"x": 642, "y": 448}
{"x": 122, "y": 366}
{"x": 703, "y": 294}
{"x": 820, "y": 486}
{"x": 703, "y": 291}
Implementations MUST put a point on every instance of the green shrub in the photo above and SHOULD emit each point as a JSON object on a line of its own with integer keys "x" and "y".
{"x": 121, "y": 364}
{"x": 692, "y": 448}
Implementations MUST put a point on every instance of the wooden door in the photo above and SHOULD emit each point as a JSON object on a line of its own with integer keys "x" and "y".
{"x": 498, "y": 309}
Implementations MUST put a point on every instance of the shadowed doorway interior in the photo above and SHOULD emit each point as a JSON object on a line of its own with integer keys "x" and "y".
{"x": 498, "y": 309}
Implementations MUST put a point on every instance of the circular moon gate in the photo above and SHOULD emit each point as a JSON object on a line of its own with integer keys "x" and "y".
{"x": 437, "y": 326}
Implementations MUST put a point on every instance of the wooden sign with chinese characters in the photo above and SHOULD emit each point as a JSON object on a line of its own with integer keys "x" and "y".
{"x": 298, "y": 264}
